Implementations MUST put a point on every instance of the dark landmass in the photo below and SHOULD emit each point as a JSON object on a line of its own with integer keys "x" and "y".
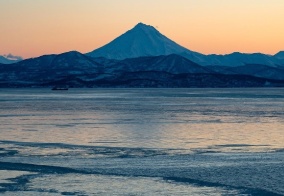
{"x": 73, "y": 69}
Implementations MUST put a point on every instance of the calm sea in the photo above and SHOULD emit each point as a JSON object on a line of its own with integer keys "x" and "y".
{"x": 142, "y": 142}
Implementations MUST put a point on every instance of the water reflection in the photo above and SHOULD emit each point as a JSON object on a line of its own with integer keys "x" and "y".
{"x": 191, "y": 119}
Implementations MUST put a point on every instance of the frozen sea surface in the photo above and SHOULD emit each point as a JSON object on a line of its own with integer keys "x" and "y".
{"x": 142, "y": 142}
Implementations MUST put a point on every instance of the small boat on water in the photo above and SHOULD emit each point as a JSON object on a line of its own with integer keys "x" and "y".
{"x": 59, "y": 88}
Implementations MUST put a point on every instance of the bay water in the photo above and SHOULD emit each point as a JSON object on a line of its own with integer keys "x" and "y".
{"x": 142, "y": 141}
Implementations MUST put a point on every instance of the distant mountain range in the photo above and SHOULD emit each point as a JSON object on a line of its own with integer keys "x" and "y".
{"x": 143, "y": 57}
{"x": 9, "y": 59}
{"x": 74, "y": 69}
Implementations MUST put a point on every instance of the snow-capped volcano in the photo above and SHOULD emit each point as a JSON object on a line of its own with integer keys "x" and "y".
{"x": 142, "y": 40}
{"x": 145, "y": 40}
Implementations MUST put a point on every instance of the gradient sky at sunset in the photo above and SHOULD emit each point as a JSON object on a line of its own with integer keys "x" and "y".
{"x": 31, "y": 28}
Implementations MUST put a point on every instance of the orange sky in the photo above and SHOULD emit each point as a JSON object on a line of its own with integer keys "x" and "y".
{"x": 31, "y": 28}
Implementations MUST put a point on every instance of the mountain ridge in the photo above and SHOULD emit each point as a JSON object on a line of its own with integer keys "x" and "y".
{"x": 172, "y": 63}
{"x": 279, "y": 55}
{"x": 74, "y": 69}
